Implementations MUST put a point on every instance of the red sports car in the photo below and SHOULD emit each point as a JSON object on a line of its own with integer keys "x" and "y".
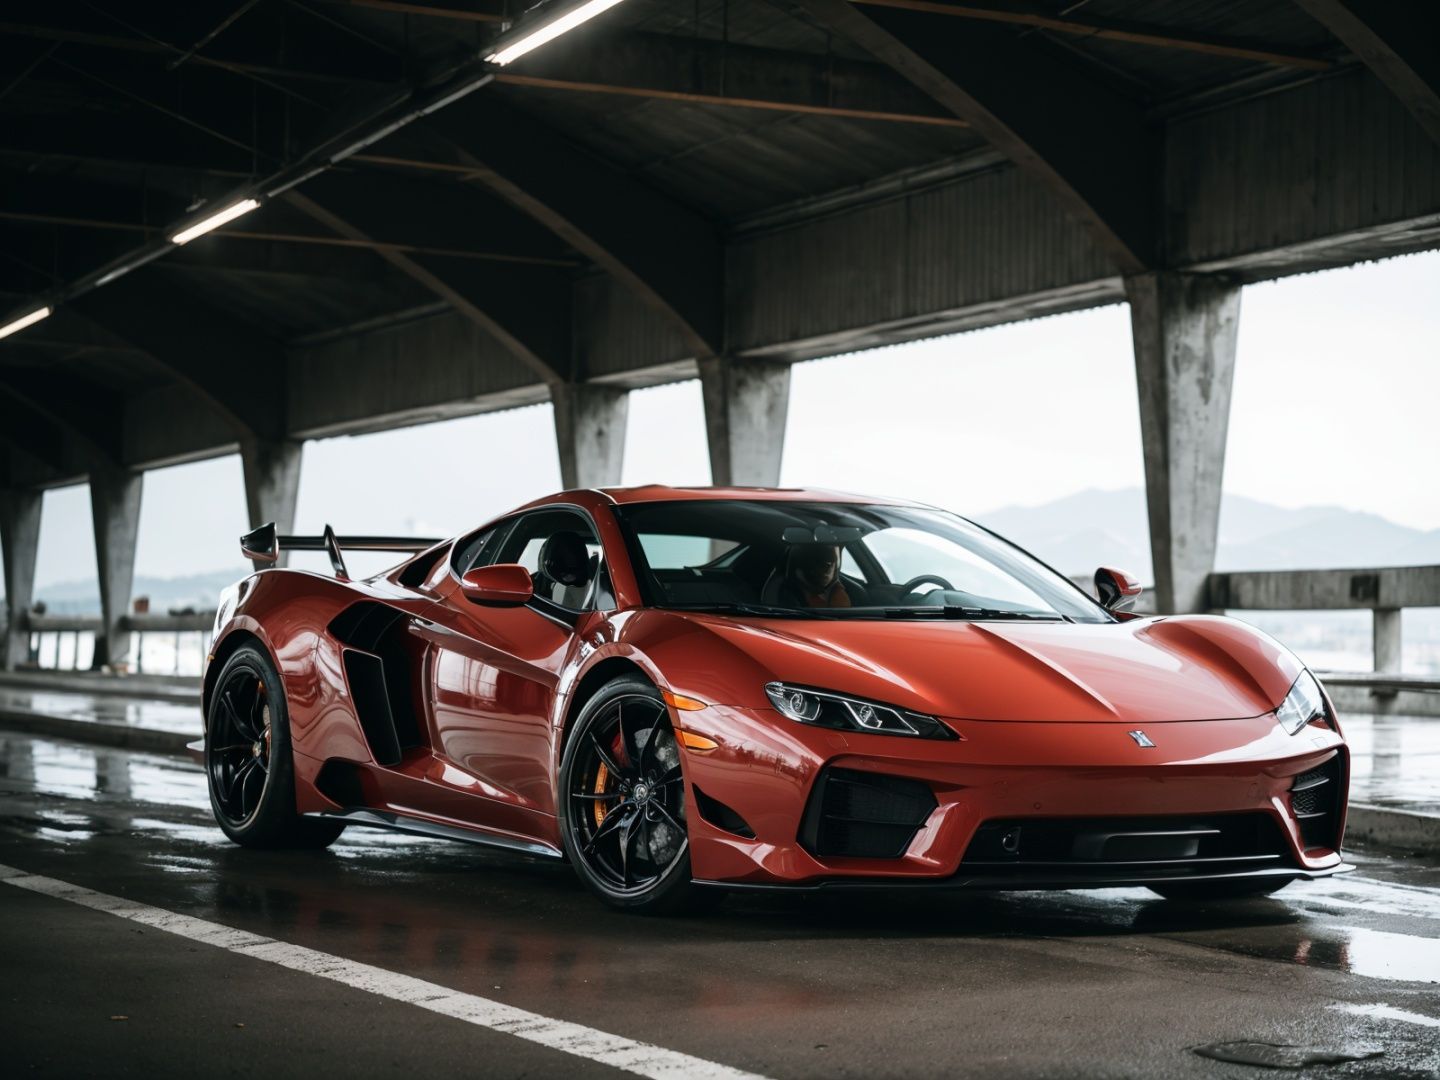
{"x": 686, "y": 691}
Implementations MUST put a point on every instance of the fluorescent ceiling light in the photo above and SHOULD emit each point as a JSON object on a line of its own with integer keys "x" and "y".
{"x": 214, "y": 221}
{"x": 534, "y": 38}
{"x": 24, "y": 321}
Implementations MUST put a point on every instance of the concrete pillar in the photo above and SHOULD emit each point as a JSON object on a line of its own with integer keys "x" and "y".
{"x": 746, "y": 406}
{"x": 590, "y": 433}
{"x": 272, "y": 484}
{"x": 20, "y": 538}
{"x": 1386, "y": 640}
{"x": 115, "y": 515}
{"x": 1185, "y": 327}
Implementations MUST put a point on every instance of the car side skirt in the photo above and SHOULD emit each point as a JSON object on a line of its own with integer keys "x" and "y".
{"x": 385, "y": 819}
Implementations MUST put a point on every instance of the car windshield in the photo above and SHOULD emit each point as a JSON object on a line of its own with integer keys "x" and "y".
{"x": 787, "y": 559}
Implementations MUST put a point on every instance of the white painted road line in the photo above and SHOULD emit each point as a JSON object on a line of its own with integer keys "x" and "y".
{"x": 639, "y": 1058}
{"x": 1387, "y": 1012}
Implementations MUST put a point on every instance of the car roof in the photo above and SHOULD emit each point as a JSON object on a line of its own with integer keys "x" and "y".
{"x": 666, "y": 493}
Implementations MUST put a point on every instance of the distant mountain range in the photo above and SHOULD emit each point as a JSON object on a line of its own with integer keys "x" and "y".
{"x": 198, "y": 592}
{"x": 1074, "y": 534}
{"x": 1098, "y": 528}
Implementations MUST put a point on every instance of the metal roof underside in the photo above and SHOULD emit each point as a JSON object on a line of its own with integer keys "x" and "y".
{"x": 116, "y": 122}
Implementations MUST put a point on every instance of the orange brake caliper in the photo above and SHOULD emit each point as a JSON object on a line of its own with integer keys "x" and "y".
{"x": 599, "y": 808}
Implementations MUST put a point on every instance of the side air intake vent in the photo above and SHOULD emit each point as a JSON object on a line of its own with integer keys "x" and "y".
{"x": 1315, "y": 798}
{"x": 864, "y": 815}
{"x": 376, "y": 654}
{"x": 721, "y": 816}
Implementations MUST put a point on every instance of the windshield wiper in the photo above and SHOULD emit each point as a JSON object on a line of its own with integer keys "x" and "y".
{"x": 960, "y": 611}
{"x": 727, "y": 607}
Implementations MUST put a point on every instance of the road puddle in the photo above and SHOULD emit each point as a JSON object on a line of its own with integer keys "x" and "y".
{"x": 1283, "y": 1056}
{"x": 1380, "y": 954}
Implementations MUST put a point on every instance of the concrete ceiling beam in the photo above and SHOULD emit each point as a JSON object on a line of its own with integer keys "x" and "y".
{"x": 1399, "y": 40}
{"x": 216, "y": 354}
{"x": 667, "y": 253}
{"x": 1088, "y": 144}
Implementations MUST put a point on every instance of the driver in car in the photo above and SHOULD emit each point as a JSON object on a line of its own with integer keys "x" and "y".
{"x": 813, "y": 578}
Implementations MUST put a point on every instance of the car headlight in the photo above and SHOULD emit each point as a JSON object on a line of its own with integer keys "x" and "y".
{"x": 822, "y": 708}
{"x": 1302, "y": 704}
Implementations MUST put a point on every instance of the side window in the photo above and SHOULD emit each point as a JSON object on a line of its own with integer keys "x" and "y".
{"x": 562, "y": 553}
{"x": 479, "y": 549}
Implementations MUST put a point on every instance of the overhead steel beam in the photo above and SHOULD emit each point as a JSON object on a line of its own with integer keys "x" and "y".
{"x": 1088, "y": 26}
{"x": 434, "y": 11}
{"x": 221, "y": 357}
{"x": 330, "y": 70}
{"x": 694, "y": 70}
{"x": 267, "y": 245}
{"x": 1399, "y": 40}
{"x": 1088, "y": 144}
{"x": 700, "y": 97}
{"x": 669, "y": 254}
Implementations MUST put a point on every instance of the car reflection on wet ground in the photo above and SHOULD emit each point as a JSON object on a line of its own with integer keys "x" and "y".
{"x": 1113, "y": 982}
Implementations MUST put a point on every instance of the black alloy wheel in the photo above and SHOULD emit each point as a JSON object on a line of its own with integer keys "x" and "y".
{"x": 249, "y": 767}
{"x": 623, "y": 812}
{"x": 238, "y": 748}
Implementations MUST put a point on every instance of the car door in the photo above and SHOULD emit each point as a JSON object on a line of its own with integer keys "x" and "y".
{"x": 494, "y": 671}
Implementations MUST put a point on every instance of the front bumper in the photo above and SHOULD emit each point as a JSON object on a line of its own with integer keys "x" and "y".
{"x": 1110, "y": 879}
{"x": 1199, "y": 777}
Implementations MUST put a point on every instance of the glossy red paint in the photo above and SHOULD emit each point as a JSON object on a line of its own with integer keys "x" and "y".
{"x": 1044, "y": 712}
{"x": 505, "y": 584}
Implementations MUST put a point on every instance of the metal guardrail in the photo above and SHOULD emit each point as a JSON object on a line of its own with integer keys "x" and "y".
{"x": 75, "y": 625}
{"x": 1385, "y": 592}
{"x": 134, "y": 624}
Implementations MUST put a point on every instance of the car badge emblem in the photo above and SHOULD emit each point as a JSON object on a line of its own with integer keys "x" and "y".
{"x": 1141, "y": 739}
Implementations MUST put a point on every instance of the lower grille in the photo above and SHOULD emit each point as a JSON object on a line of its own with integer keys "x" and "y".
{"x": 864, "y": 815}
{"x": 1245, "y": 840}
{"x": 1315, "y": 800}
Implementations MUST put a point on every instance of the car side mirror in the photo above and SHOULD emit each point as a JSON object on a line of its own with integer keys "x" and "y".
{"x": 501, "y": 585}
{"x": 1117, "y": 589}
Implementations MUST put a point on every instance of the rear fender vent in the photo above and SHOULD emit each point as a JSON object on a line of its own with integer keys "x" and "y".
{"x": 1315, "y": 801}
{"x": 377, "y": 661}
{"x": 864, "y": 815}
{"x": 721, "y": 816}
{"x": 363, "y": 625}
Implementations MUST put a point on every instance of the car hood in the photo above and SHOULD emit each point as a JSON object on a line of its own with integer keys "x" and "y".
{"x": 1142, "y": 671}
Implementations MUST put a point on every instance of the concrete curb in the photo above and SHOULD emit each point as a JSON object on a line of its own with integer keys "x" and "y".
{"x": 91, "y": 731}
{"x": 183, "y": 693}
{"x": 1408, "y": 829}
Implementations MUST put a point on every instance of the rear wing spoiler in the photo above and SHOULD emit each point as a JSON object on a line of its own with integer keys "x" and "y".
{"x": 265, "y": 544}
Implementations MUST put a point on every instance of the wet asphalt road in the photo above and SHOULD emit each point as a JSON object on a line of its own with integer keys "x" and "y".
{"x": 1112, "y": 983}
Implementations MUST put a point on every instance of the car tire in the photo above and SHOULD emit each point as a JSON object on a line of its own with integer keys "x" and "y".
{"x": 249, "y": 765}
{"x": 1239, "y": 889}
{"x": 671, "y": 891}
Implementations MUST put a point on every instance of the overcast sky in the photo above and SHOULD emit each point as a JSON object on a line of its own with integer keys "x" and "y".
{"x": 1337, "y": 402}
